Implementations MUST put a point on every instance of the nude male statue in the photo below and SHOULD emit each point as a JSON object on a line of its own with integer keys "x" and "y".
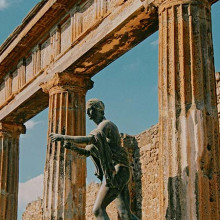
{"x": 110, "y": 159}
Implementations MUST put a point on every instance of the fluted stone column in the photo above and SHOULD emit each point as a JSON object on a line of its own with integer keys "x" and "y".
{"x": 9, "y": 169}
{"x": 65, "y": 171}
{"x": 188, "y": 115}
{"x": 217, "y": 76}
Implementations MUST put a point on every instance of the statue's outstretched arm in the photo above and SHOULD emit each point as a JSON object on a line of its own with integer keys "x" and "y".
{"x": 78, "y": 150}
{"x": 72, "y": 139}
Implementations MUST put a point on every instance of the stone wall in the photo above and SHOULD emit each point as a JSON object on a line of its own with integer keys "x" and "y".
{"x": 143, "y": 150}
{"x": 148, "y": 166}
{"x": 144, "y": 187}
{"x": 33, "y": 211}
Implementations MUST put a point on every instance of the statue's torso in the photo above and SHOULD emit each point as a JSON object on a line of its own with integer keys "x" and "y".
{"x": 119, "y": 155}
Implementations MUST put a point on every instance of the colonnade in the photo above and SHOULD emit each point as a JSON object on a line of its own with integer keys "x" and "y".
{"x": 189, "y": 148}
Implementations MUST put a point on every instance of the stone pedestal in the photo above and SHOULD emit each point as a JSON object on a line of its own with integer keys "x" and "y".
{"x": 188, "y": 115}
{"x": 9, "y": 169}
{"x": 65, "y": 172}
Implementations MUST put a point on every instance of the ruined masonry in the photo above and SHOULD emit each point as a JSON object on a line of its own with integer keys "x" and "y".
{"x": 49, "y": 60}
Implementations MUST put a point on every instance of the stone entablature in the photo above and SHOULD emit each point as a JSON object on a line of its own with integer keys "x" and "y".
{"x": 58, "y": 36}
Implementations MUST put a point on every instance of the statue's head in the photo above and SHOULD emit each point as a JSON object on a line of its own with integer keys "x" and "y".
{"x": 95, "y": 110}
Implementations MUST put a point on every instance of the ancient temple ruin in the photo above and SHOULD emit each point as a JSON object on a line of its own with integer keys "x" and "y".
{"x": 48, "y": 61}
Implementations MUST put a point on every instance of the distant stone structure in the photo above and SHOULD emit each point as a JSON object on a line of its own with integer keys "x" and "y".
{"x": 49, "y": 60}
{"x": 34, "y": 211}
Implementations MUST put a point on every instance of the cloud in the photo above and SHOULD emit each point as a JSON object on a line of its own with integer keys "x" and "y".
{"x": 30, "y": 191}
{"x": 131, "y": 66}
{"x": 3, "y": 4}
{"x": 6, "y": 3}
{"x": 155, "y": 43}
{"x": 31, "y": 123}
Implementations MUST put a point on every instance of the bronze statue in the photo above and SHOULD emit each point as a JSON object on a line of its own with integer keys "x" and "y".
{"x": 110, "y": 159}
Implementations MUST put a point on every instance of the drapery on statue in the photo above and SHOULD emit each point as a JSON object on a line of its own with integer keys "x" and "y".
{"x": 110, "y": 159}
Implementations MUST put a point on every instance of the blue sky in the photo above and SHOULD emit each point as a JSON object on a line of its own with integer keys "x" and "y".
{"x": 128, "y": 88}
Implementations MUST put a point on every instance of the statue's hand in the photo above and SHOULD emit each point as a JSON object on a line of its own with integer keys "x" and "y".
{"x": 67, "y": 145}
{"x": 78, "y": 150}
{"x": 56, "y": 137}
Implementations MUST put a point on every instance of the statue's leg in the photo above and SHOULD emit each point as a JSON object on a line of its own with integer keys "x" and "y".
{"x": 123, "y": 205}
{"x": 105, "y": 196}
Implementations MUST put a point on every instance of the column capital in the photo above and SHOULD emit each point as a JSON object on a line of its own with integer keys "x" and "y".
{"x": 67, "y": 81}
{"x": 11, "y": 129}
{"x": 163, "y": 4}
